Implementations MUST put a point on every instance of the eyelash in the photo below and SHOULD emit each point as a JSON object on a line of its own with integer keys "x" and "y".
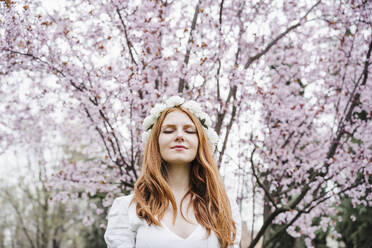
{"x": 190, "y": 132}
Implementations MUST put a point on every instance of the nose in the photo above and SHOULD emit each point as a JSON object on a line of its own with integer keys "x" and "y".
{"x": 179, "y": 136}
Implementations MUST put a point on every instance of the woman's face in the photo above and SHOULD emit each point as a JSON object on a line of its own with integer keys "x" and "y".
{"x": 178, "y": 139}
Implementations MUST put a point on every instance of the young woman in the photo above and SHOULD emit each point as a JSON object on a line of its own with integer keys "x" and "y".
{"x": 179, "y": 200}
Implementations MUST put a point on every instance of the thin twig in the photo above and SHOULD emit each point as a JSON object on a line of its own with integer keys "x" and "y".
{"x": 129, "y": 44}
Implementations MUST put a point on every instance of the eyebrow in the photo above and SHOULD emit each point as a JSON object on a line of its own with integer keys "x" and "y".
{"x": 173, "y": 125}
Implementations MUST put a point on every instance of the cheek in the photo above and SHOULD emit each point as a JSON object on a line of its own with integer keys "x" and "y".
{"x": 196, "y": 147}
{"x": 161, "y": 143}
{"x": 164, "y": 141}
{"x": 196, "y": 142}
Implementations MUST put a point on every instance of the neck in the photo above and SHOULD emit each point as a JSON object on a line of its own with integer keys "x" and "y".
{"x": 179, "y": 177}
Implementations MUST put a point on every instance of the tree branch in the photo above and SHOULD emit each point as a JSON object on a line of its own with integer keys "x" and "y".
{"x": 228, "y": 128}
{"x": 233, "y": 89}
{"x": 80, "y": 88}
{"x": 279, "y": 37}
{"x": 330, "y": 153}
{"x": 24, "y": 229}
{"x": 340, "y": 129}
{"x": 129, "y": 44}
{"x": 267, "y": 193}
{"x": 94, "y": 101}
{"x": 181, "y": 83}
{"x": 265, "y": 225}
{"x": 221, "y": 8}
{"x": 307, "y": 209}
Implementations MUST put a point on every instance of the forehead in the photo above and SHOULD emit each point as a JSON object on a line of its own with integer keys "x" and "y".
{"x": 177, "y": 118}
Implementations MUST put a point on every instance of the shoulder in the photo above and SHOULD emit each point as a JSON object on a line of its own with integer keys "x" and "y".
{"x": 124, "y": 199}
{"x": 121, "y": 226}
{"x": 121, "y": 204}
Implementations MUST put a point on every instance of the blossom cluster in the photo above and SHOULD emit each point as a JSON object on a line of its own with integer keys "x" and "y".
{"x": 192, "y": 106}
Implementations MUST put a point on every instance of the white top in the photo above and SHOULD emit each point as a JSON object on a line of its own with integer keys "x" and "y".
{"x": 126, "y": 230}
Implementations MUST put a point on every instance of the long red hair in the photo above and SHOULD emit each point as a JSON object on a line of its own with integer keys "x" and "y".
{"x": 152, "y": 193}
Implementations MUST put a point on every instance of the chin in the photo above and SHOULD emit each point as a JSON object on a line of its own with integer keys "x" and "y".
{"x": 179, "y": 161}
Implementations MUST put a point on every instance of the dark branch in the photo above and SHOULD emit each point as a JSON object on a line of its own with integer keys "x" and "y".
{"x": 265, "y": 225}
{"x": 267, "y": 193}
{"x": 181, "y": 83}
{"x": 330, "y": 154}
{"x": 129, "y": 44}
{"x": 279, "y": 37}
{"x": 229, "y": 126}
{"x": 221, "y": 8}
{"x": 94, "y": 101}
{"x": 307, "y": 209}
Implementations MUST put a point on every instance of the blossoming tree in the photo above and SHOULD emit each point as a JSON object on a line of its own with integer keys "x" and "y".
{"x": 89, "y": 71}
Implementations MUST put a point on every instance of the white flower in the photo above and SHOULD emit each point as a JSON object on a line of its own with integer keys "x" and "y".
{"x": 157, "y": 109}
{"x": 145, "y": 136}
{"x": 207, "y": 120}
{"x": 193, "y": 107}
{"x": 212, "y": 136}
{"x": 148, "y": 122}
{"x": 174, "y": 101}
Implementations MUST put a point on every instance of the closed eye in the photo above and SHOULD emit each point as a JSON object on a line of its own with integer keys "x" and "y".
{"x": 187, "y": 131}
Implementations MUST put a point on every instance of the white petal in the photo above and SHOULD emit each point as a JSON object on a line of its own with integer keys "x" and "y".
{"x": 212, "y": 138}
{"x": 157, "y": 109}
{"x": 145, "y": 136}
{"x": 207, "y": 120}
{"x": 148, "y": 122}
{"x": 193, "y": 107}
{"x": 174, "y": 101}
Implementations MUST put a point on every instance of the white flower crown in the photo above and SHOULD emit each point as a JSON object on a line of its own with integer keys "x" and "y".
{"x": 192, "y": 106}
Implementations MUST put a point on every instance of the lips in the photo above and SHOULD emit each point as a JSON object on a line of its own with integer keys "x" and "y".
{"x": 179, "y": 147}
